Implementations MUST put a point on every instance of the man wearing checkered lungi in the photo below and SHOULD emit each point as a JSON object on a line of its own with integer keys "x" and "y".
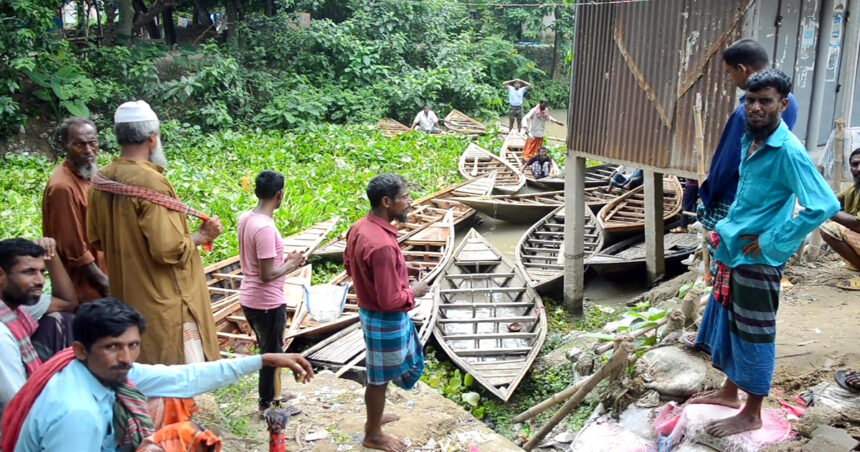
{"x": 381, "y": 279}
{"x": 755, "y": 240}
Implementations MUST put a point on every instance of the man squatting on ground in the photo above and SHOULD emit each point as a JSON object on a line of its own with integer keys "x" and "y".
{"x": 516, "y": 90}
{"x": 754, "y": 242}
{"x": 381, "y": 279}
{"x": 842, "y": 232}
{"x": 33, "y": 326}
{"x": 64, "y": 208}
{"x": 71, "y": 401}
{"x": 426, "y": 121}
{"x": 261, "y": 254}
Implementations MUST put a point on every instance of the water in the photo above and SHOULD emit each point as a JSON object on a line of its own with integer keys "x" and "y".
{"x": 552, "y": 129}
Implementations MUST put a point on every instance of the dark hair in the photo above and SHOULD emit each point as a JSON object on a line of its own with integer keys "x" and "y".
{"x": 544, "y": 101}
{"x": 105, "y": 317}
{"x": 135, "y": 132}
{"x": 384, "y": 185}
{"x": 62, "y": 132}
{"x": 11, "y": 249}
{"x": 769, "y": 78}
{"x": 747, "y": 52}
{"x": 853, "y": 153}
{"x": 268, "y": 184}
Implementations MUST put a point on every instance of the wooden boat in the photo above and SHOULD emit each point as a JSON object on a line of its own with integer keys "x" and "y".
{"x": 224, "y": 280}
{"x": 390, "y": 127}
{"x": 512, "y": 152}
{"x": 458, "y": 122}
{"x": 430, "y": 249}
{"x": 491, "y": 323}
{"x": 597, "y": 197}
{"x": 427, "y": 210}
{"x": 539, "y": 252}
{"x": 626, "y": 214}
{"x": 629, "y": 254}
{"x": 598, "y": 176}
{"x": 476, "y": 160}
{"x": 522, "y": 209}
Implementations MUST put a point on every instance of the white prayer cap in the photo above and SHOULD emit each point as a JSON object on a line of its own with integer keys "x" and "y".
{"x": 136, "y": 111}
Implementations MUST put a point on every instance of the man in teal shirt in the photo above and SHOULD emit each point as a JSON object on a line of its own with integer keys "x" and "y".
{"x": 754, "y": 242}
{"x": 84, "y": 398}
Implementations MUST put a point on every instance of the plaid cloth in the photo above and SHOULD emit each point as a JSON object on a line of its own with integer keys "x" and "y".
{"x": 741, "y": 336}
{"x": 100, "y": 182}
{"x": 710, "y": 217}
{"x": 394, "y": 352}
{"x": 131, "y": 420}
{"x": 22, "y": 326}
{"x": 722, "y": 276}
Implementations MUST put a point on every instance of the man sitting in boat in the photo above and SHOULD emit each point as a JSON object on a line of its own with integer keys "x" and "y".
{"x": 33, "y": 326}
{"x": 426, "y": 121}
{"x": 540, "y": 165}
{"x": 842, "y": 232}
{"x": 381, "y": 279}
{"x": 93, "y": 396}
{"x": 753, "y": 244}
{"x": 264, "y": 265}
{"x": 626, "y": 177}
{"x": 516, "y": 90}
{"x": 536, "y": 128}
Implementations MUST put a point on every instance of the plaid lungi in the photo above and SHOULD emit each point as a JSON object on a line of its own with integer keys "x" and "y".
{"x": 741, "y": 336}
{"x": 394, "y": 352}
{"x": 709, "y": 217}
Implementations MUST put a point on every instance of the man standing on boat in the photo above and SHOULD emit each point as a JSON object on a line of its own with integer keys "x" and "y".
{"x": 261, "y": 254}
{"x": 536, "y": 128}
{"x": 426, "y": 121}
{"x": 516, "y": 90}
{"x": 753, "y": 243}
{"x": 741, "y": 60}
{"x": 381, "y": 279}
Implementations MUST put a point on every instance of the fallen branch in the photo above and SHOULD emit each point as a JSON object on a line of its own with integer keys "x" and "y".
{"x": 555, "y": 399}
{"x": 633, "y": 335}
{"x": 623, "y": 348}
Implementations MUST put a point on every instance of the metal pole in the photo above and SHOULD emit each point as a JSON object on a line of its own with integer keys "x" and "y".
{"x": 574, "y": 206}
{"x": 851, "y": 49}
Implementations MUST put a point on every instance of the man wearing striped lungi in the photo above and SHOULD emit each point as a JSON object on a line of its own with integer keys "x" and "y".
{"x": 753, "y": 243}
{"x": 381, "y": 279}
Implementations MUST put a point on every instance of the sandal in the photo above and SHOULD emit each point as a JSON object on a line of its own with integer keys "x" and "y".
{"x": 842, "y": 380}
{"x": 678, "y": 230}
{"x": 851, "y": 284}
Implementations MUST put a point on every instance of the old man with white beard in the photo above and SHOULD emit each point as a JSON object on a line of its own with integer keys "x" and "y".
{"x": 64, "y": 208}
{"x": 152, "y": 257}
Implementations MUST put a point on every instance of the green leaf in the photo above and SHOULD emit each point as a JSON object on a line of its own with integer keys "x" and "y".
{"x": 468, "y": 380}
{"x": 76, "y": 108}
{"x": 478, "y": 412}
{"x": 472, "y": 398}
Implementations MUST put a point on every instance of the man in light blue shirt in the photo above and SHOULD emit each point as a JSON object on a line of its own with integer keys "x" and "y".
{"x": 516, "y": 90}
{"x": 756, "y": 239}
{"x": 74, "y": 408}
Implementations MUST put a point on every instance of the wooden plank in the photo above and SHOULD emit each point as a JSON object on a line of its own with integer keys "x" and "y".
{"x": 457, "y": 337}
{"x": 521, "y": 319}
{"x": 485, "y": 289}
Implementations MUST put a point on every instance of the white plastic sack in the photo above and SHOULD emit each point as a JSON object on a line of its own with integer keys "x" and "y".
{"x": 325, "y": 302}
{"x": 827, "y": 160}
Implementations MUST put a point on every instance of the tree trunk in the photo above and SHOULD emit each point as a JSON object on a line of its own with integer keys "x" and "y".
{"x": 169, "y": 26}
{"x": 553, "y": 71}
{"x": 270, "y": 8}
{"x": 232, "y": 18}
{"x": 201, "y": 14}
{"x": 126, "y": 21}
{"x": 151, "y": 27}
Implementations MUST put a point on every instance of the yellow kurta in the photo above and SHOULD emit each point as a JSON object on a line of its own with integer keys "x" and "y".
{"x": 153, "y": 264}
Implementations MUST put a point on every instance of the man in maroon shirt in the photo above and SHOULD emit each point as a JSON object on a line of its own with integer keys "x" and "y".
{"x": 381, "y": 279}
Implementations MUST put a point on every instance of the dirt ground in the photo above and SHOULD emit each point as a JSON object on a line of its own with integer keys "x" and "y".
{"x": 334, "y": 414}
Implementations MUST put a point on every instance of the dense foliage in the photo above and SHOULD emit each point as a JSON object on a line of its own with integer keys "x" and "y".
{"x": 352, "y": 64}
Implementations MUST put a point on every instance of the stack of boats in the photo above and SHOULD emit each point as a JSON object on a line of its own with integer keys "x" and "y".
{"x": 484, "y": 310}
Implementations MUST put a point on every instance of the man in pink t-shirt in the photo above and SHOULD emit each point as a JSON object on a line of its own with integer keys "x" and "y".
{"x": 261, "y": 253}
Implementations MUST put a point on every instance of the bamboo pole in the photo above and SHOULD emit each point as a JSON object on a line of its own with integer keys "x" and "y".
{"x": 623, "y": 349}
{"x": 700, "y": 150}
{"x": 555, "y": 399}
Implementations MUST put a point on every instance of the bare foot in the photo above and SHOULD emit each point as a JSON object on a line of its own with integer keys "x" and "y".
{"x": 384, "y": 442}
{"x": 738, "y": 423}
{"x": 717, "y": 397}
{"x": 388, "y": 418}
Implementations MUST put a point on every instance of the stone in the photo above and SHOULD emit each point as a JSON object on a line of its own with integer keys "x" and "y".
{"x": 674, "y": 372}
{"x": 829, "y": 439}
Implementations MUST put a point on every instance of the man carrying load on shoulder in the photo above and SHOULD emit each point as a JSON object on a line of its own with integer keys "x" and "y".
{"x": 381, "y": 279}
{"x": 753, "y": 243}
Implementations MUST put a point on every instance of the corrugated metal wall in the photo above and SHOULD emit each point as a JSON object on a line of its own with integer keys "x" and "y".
{"x": 638, "y": 69}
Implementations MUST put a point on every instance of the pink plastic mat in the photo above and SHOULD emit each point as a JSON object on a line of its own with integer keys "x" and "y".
{"x": 680, "y": 423}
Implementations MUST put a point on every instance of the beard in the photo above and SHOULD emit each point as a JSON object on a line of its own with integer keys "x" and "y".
{"x": 19, "y": 298}
{"x": 759, "y": 134}
{"x": 402, "y": 217}
{"x": 87, "y": 171}
{"x": 157, "y": 155}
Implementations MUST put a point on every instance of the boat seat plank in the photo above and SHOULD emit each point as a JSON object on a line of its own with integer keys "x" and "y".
{"x": 520, "y": 319}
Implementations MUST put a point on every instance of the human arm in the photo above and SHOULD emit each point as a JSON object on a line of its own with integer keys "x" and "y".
{"x": 63, "y": 296}
{"x": 555, "y": 120}
{"x": 63, "y": 220}
{"x": 849, "y": 221}
{"x": 526, "y": 84}
{"x": 390, "y": 295}
{"x": 507, "y": 83}
{"x": 819, "y": 203}
{"x": 268, "y": 271}
{"x": 207, "y": 232}
{"x": 416, "y": 120}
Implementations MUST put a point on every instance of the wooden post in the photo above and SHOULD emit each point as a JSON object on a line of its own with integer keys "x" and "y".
{"x": 654, "y": 228}
{"x": 574, "y": 235}
{"x": 700, "y": 149}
